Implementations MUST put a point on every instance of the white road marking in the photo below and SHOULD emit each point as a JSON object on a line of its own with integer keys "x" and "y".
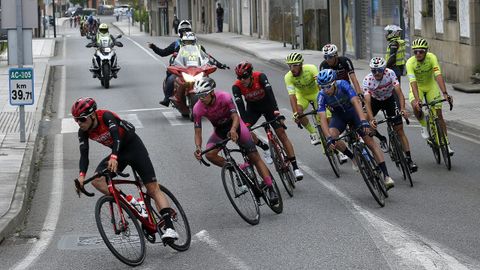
{"x": 176, "y": 119}
{"x": 54, "y": 207}
{"x": 70, "y": 126}
{"x": 203, "y": 236}
{"x": 147, "y": 51}
{"x": 145, "y": 110}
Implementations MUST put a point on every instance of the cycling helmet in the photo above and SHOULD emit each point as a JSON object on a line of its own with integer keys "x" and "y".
{"x": 189, "y": 38}
{"x": 393, "y": 31}
{"x": 329, "y": 50}
{"x": 183, "y": 27}
{"x": 378, "y": 62}
{"x": 294, "y": 58}
{"x": 83, "y": 107}
{"x": 244, "y": 69}
{"x": 326, "y": 76}
{"x": 204, "y": 86}
{"x": 419, "y": 43}
{"x": 103, "y": 28}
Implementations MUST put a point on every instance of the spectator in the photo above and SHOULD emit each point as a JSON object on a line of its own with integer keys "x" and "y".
{"x": 219, "y": 18}
{"x": 203, "y": 20}
{"x": 175, "y": 23}
{"x": 71, "y": 21}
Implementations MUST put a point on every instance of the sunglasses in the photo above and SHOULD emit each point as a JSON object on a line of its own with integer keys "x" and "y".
{"x": 81, "y": 119}
{"x": 202, "y": 95}
{"x": 295, "y": 65}
{"x": 328, "y": 86}
{"x": 419, "y": 51}
{"x": 377, "y": 70}
{"x": 327, "y": 57}
{"x": 243, "y": 76}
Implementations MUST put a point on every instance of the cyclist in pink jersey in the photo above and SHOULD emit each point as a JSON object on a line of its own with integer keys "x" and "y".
{"x": 218, "y": 107}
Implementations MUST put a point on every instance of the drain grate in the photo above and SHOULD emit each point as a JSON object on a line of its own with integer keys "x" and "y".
{"x": 10, "y": 122}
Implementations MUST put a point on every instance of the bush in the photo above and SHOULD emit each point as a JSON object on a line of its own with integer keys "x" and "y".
{"x": 3, "y": 46}
{"x": 476, "y": 69}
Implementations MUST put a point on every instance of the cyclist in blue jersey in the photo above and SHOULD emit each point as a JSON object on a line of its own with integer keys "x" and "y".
{"x": 346, "y": 108}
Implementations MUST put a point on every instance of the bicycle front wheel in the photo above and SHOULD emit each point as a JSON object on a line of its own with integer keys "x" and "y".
{"x": 402, "y": 159}
{"x": 433, "y": 138}
{"x": 240, "y": 195}
{"x": 330, "y": 154}
{"x": 280, "y": 167}
{"x": 442, "y": 141}
{"x": 370, "y": 177}
{"x": 120, "y": 231}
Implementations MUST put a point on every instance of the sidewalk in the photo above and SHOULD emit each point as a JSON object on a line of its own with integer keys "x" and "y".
{"x": 18, "y": 158}
{"x": 127, "y": 29}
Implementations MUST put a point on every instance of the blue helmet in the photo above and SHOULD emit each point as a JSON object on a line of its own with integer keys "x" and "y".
{"x": 326, "y": 76}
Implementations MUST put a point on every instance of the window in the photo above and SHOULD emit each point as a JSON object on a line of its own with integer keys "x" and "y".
{"x": 429, "y": 8}
{"x": 452, "y": 10}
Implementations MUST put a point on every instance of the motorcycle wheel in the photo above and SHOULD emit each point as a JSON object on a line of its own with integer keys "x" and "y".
{"x": 106, "y": 76}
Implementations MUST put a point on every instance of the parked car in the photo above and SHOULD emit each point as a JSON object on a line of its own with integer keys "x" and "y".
{"x": 70, "y": 11}
{"x": 121, "y": 9}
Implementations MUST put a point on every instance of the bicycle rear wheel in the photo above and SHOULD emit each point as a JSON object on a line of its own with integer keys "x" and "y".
{"x": 180, "y": 222}
{"x": 370, "y": 177}
{"x": 277, "y": 208}
{"x": 442, "y": 140}
{"x": 402, "y": 159}
{"x": 240, "y": 195}
{"x": 280, "y": 167}
{"x": 124, "y": 239}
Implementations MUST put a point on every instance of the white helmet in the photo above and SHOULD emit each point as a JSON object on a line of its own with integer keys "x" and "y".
{"x": 183, "y": 27}
{"x": 189, "y": 38}
{"x": 392, "y": 31}
{"x": 204, "y": 86}
{"x": 378, "y": 62}
{"x": 329, "y": 50}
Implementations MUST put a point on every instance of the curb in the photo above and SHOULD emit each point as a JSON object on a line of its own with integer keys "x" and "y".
{"x": 118, "y": 28}
{"x": 15, "y": 215}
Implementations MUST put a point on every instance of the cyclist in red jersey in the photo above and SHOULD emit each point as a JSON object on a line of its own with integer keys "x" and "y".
{"x": 107, "y": 128}
{"x": 257, "y": 92}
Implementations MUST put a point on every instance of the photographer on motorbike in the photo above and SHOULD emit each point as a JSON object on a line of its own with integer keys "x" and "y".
{"x": 183, "y": 28}
{"x": 101, "y": 34}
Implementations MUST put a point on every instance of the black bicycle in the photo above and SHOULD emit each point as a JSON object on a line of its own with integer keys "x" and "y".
{"x": 367, "y": 165}
{"x": 279, "y": 155}
{"x": 243, "y": 187}
{"x": 395, "y": 147}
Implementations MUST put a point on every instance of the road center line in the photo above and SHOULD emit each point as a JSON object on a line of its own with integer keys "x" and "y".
{"x": 204, "y": 236}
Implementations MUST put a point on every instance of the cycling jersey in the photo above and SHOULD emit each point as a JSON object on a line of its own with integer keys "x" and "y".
{"x": 383, "y": 89}
{"x": 304, "y": 84}
{"x": 110, "y": 131}
{"x": 343, "y": 67}
{"x": 338, "y": 103}
{"x": 424, "y": 73}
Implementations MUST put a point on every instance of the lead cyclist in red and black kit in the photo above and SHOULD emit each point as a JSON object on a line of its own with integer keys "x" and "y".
{"x": 257, "y": 91}
{"x": 107, "y": 128}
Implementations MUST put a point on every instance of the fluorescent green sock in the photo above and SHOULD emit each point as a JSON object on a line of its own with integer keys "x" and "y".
{"x": 422, "y": 122}
{"x": 310, "y": 128}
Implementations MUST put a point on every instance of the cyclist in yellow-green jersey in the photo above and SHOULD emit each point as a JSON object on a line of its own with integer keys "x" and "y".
{"x": 425, "y": 77}
{"x": 302, "y": 88}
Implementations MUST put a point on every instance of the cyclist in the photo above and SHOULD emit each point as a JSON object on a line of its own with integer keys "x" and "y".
{"x": 380, "y": 87}
{"x": 395, "y": 56}
{"x": 218, "y": 107}
{"x": 257, "y": 92}
{"x": 301, "y": 87}
{"x": 424, "y": 74}
{"x": 341, "y": 64}
{"x": 346, "y": 108}
{"x": 107, "y": 128}
{"x": 184, "y": 27}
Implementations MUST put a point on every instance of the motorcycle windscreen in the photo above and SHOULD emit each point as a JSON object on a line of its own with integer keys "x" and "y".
{"x": 105, "y": 41}
{"x": 191, "y": 56}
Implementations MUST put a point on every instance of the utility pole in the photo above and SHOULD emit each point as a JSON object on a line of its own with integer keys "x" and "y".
{"x": 20, "y": 63}
{"x": 54, "y": 20}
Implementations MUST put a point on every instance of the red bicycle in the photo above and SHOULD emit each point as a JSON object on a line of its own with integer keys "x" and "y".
{"x": 279, "y": 155}
{"x": 117, "y": 220}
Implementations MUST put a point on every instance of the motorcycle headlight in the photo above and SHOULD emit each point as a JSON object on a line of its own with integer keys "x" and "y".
{"x": 188, "y": 78}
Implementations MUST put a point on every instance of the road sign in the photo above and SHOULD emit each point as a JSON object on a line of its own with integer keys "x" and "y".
{"x": 21, "y": 86}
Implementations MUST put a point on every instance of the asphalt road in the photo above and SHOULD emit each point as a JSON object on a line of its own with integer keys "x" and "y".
{"x": 330, "y": 223}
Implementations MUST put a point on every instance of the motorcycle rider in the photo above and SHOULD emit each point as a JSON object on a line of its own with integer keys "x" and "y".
{"x": 102, "y": 33}
{"x": 184, "y": 27}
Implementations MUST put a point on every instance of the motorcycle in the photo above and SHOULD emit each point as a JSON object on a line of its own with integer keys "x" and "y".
{"x": 104, "y": 64}
{"x": 190, "y": 64}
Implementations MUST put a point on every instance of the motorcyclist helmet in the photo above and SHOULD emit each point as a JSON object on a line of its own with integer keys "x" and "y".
{"x": 326, "y": 77}
{"x": 392, "y": 31}
{"x": 294, "y": 58}
{"x": 204, "y": 86}
{"x": 244, "y": 70}
{"x": 183, "y": 27}
{"x": 189, "y": 38}
{"x": 103, "y": 28}
{"x": 83, "y": 107}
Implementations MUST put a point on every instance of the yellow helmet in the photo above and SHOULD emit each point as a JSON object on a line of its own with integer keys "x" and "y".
{"x": 419, "y": 43}
{"x": 294, "y": 58}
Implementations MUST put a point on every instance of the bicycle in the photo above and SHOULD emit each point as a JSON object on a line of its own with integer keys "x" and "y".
{"x": 117, "y": 220}
{"x": 332, "y": 155}
{"x": 244, "y": 185}
{"x": 437, "y": 139}
{"x": 367, "y": 165}
{"x": 395, "y": 147}
{"x": 279, "y": 155}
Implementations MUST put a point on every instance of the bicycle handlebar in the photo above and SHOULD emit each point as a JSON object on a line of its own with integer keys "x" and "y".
{"x": 312, "y": 112}
{"x": 278, "y": 118}
{"x": 392, "y": 118}
{"x": 81, "y": 188}
{"x": 219, "y": 144}
{"x": 433, "y": 103}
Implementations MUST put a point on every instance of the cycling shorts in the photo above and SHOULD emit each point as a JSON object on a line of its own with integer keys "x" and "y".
{"x": 245, "y": 140}
{"x": 136, "y": 155}
{"x": 432, "y": 91}
{"x": 304, "y": 102}
{"x": 253, "y": 113}
{"x": 340, "y": 121}
{"x": 389, "y": 105}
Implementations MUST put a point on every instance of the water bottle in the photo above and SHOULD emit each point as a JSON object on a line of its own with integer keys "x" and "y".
{"x": 134, "y": 203}
{"x": 144, "y": 209}
{"x": 365, "y": 154}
